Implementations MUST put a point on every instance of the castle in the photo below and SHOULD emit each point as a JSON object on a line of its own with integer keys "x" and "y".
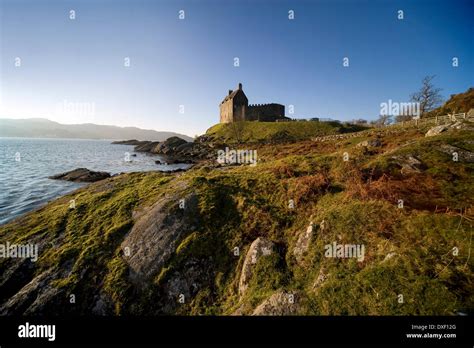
{"x": 235, "y": 107}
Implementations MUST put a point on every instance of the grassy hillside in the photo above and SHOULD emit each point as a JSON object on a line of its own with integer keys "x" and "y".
{"x": 421, "y": 251}
{"x": 251, "y": 132}
{"x": 457, "y": 103}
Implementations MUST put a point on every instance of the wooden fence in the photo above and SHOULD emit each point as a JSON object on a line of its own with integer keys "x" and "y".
{"x": 434, "y": 120}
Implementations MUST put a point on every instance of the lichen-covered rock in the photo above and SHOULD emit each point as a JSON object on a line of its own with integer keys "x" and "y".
{"x": 463, "y": 125}
{"x": 280, "y": 303}
{"x": 26, "y": 288}
{"x": 35, "y": 297}
{"x": 155, "y": 235}
{"x": 303, "y": 242}
{"x": 409, "y": 164}
{"x": 183, "y": 285}
{"x": 320, "y": 279}
{"x": 258, "y": 248}
{"x": 458, "y": 153}
{"x": 436, "y": 130}
{"x": 367, "y": 143}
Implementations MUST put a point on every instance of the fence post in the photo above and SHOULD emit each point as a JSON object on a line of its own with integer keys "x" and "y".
{"x": 436, "y": 120}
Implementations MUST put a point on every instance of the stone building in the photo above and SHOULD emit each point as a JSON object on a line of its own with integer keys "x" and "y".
{"x": 235, "y": 107}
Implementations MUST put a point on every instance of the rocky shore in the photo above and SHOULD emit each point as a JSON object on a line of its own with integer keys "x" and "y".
{"x": 81, "y": 175}
{"x": 174, "y": 149}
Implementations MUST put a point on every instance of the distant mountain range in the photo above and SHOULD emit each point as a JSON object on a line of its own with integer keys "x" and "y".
{"x": 44, "y": 128}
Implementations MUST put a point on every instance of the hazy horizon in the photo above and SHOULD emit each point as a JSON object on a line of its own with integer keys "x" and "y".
{"x": 73, "y": 71}
{"x": 83, "y": 123}
{"x": 44, "y": 128}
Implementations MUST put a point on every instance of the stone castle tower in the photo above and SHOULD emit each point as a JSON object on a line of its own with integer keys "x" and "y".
{"x": 235, "y": 107}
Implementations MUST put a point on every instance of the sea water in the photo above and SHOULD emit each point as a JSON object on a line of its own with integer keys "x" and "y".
{"x": 26, "y": 164}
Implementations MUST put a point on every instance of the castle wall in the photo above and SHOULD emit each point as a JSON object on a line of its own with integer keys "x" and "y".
{"x": 239, "y": 112}
{"x": 265, "y": 112}
{"x": 234, "y": 109}
{"x": 226, "y": 111}
{"x": 240, "y": 106}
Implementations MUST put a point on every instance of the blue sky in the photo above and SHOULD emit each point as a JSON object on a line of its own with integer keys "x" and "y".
{"x": 68, "y": 66}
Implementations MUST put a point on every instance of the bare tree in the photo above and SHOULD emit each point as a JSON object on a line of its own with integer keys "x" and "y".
{"x": 383, "y": 120}
{"x": 428, "y": 96}
{"x": 360, "y": 121}
{"x": 238, "y": 130}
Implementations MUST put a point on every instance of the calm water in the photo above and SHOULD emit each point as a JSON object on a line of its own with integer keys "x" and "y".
{"x": 25, "y": 165}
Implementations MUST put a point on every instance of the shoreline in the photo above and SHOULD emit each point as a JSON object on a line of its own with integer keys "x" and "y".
{"x": 82, "y": 186}
{"x": 31, "y": 185}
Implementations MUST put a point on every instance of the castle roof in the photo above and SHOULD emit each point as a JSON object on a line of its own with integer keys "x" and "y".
{"x": 230, "y": 96}
{"x": 233, "y": 93}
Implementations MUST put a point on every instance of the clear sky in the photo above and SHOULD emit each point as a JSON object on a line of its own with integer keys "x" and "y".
{"x": 72, "y": 71}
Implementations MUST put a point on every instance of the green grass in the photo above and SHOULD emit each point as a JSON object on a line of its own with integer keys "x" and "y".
{"x": 90, "y": 234}
{"x": 356, "y": 199}
{"x": 254, "y": 132}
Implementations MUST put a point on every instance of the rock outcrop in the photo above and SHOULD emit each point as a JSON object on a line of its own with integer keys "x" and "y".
{"x": 258, "y": 248}
{"x": 146, "y": 146}
{"x": 463, "y": 125}
{"x": 370, "y": 143}
{"x": 174, "y": 149}
{"x": 436, "y": 130}
{"x": 320, "y": 279}
{"x": 302, "y": 244}
{"x": 409, "y": 164}
{"x": 183, "y": 285}
{"x": 280, "y": 303}
{"x": 81, "y": 175}
{"x": 461, "y": 154}
{"x": 127, "y": 142}
{"x": 155, "y": 235}
{"x": 33, "y": 297}
{"x": 169, "y": 146}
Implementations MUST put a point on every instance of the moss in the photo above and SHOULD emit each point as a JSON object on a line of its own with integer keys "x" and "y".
{"x": 268, "y": 275}
{"x": 186, "y": 242}
{"x": 356, "y": 199}
{"x": 65, "y": 282}
{"x": 116, "y": 283}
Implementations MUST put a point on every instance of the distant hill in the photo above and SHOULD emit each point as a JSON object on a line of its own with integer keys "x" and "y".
{"x": 44, "y": 128}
